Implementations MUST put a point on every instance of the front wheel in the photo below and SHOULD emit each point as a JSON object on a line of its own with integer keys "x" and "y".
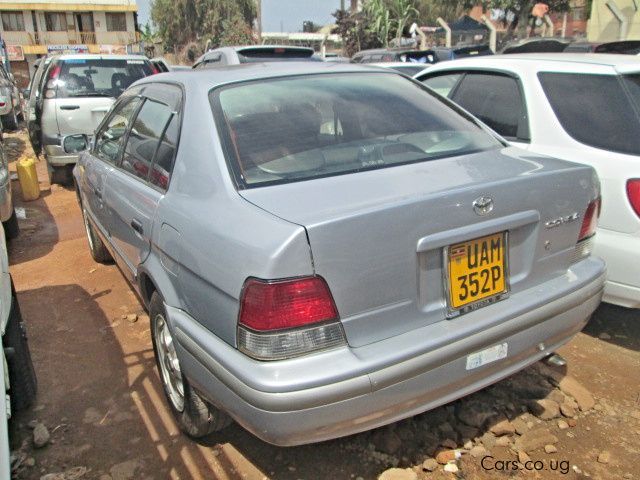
{"x": 96, "y": 246}
{"x": 11, "y": 227}
{"x": 194, "y": 415}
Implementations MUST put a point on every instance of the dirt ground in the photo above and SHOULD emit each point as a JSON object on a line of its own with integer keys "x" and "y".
{"x": 102, "y": 403}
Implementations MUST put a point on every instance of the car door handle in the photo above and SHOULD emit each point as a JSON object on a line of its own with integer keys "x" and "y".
{"x": 137, "y": 226}
{"x": 69, "y": 107}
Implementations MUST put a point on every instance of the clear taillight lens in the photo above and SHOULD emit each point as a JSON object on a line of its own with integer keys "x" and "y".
{"x": 633, "y": 194}
{"x": 287, "y": 318}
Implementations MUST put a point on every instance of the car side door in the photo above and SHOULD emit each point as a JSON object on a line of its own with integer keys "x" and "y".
{"x": 97, "y": 164}
{"x": 139, "y": 182}
{"x": 496, "y": 98}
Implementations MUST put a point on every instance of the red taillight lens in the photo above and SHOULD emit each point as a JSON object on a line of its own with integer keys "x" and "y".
{"x": 154, "y": 70}
{"x": 633, "y": 193}
{"x": 590, "y": 220}
{"x": 55, "y": 72}
{"x": 286, "y": 304}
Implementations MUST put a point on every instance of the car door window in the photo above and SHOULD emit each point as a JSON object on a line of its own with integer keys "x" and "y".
{"x": 442, "y": 84}
{"x": 144, "y": 137}
{"x": 495, "y": 99}
{"x": 165, "y": 155}
{"x": 110, "y": 138}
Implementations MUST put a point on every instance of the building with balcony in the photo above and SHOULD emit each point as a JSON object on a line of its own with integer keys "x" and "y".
{"x": 34, "y": 28}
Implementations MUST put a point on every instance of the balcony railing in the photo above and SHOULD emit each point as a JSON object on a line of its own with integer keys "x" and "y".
{"x": 69, "y": 37}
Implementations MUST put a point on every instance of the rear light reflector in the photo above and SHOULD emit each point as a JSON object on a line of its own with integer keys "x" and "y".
{"x": 633, "y": 194}
{"x": 287, "y": 318}
{"x": 590, "y": 220}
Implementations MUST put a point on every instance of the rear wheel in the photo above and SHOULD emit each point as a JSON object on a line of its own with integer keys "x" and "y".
{"x": 194, "y": 415}
{"x": 22, "y": 376}
{"x": 11, "y": 227}
{"x": 10, "y": 120}
{"x": 96, "y": 246}
{"x": 61, "y": 175}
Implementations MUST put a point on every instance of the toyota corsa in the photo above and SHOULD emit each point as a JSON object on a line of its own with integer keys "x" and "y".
{"x": 326, "y": 248}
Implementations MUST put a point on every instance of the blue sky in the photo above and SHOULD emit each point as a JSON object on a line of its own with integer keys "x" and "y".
{"x": 288, "y": 14}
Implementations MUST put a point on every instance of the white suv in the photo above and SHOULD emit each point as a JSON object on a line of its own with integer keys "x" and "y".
{"x": 579, "y": 107}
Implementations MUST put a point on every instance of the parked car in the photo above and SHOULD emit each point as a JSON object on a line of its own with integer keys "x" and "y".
{"x": 578, "y": 107}
{"x": 378, "y": 55}
{"x": 16, "y": 367}
{"x": 7, "y": 212}
{"x": 409, "y": 69}
{"x": 451, "y": 53}
{"x": 10, "y": 100}
{"x": 536, "y": 45}
{"x": 626, "y": 47}
{"x": 73, "y": 94}
{"x": 352, "y": 250}
{"x": 255, "y": 53}
{"x": 32, "y": 94}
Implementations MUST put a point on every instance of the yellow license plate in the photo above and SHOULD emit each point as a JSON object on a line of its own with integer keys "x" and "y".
{"x": 477, "y": 270}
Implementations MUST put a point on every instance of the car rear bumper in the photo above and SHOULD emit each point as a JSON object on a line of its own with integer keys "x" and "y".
{"x": 285, "y": 403}
{"x": 56, "y": 156}
{"x": 621, "y": 251}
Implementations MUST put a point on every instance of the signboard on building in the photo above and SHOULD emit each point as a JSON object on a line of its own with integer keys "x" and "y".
{"x": 60, "y": 49}
{"x": 15, "y": 52}
{"x": 113, "y": 49}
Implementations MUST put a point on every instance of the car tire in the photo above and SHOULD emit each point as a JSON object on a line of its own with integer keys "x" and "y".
{"x": 194, "y": 415}
{"x": 23, "y": 384}
{"x": 11, "y": 227}
{"x": 61, "y": 175}
{"x": 10, "y": 120}
{"x": 96, "y": 246}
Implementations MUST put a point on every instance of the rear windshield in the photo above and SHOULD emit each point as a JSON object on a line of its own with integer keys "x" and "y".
{"x": 299, "y": 128}
{"x": 251, "y": 55}
{"x": 99, "y": 77}
{"x": 595, "y": 109}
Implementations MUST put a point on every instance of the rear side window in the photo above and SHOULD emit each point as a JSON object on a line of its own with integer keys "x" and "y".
{"x": 144, "y": 138}
{"x": 594, "y": 110}
{"x": 163, "y": 162}
{"x": 99, "y": 77}
{"x": 496, "y": 100}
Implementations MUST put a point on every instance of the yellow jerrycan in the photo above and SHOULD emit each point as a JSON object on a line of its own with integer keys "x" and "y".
{"x": 28, "y": 178}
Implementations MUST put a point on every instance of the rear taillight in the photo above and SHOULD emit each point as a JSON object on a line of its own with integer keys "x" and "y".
{"x": 154, "y": 70}
{"x": 287, "y": 318}
{"x": 590, "y": 220}
{"x": 633, "y": 194}
{"x": 52, "y": 85}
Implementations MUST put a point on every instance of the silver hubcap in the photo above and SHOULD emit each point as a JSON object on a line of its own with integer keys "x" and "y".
{"x": 87, "y": 227}
{"x": 169, "y": 364}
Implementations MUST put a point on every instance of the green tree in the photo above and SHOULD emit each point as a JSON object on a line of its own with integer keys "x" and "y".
{"x": 198, "y": 23}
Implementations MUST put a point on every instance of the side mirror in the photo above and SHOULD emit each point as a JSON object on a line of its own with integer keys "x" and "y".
{"x": 75, "y": 143}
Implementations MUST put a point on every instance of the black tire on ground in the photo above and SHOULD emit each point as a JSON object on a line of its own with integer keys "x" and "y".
{"x": 11, "y": 227}
{"x": 96, "y": 246}
{"x": 23, "y": 384}
{"x": 197, "y": 417}
{"x": 10, "y": 120}
{"x": 61, "y": 175}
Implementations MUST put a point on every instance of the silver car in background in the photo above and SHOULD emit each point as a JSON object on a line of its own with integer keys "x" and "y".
{"x": 74, "y": 93}
{"x": 327, "y": 248}
{"x": 10, "y": 100}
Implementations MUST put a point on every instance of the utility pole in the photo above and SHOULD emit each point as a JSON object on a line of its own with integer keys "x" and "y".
{"x": 259, "y": 19}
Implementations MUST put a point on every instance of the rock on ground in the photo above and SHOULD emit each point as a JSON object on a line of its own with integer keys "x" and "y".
{"x": 430, "y": 464}
{"x": 570, "y": 386}
{"x": 535, "y": 439}
{"x": 398, "y": 474}
{"x": 544, "y": 409}
{"x": 604, "y": 457}
{"x": 40, "y": 435}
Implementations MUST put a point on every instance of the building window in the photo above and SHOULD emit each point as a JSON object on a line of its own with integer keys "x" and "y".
{"x": 55, "y": 21}
{"x": 116, "y": 22}
{"x": 12, "y": 22}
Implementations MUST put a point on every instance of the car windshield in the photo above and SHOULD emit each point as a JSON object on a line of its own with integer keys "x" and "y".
{"x": 298, "y": 128}
{"x": 99, "y": 77}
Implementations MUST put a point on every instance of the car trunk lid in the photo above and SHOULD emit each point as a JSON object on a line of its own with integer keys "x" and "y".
{"x": 379, "y": 237}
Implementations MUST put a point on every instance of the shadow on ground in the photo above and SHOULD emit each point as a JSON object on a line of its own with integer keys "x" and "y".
{"x": 617, "y": 325}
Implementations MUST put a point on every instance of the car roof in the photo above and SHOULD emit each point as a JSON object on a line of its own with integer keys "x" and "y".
{"x": 497, "y": 61}
{"x": 209, "y": 78}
